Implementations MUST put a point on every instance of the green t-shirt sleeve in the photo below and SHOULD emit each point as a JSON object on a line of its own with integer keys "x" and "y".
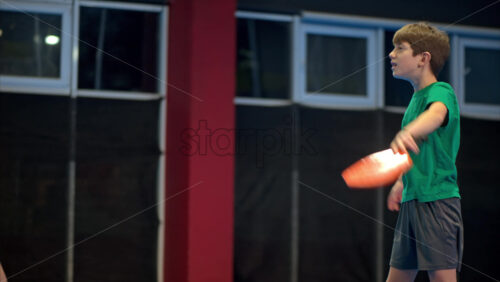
{"x": 446, "y": 96}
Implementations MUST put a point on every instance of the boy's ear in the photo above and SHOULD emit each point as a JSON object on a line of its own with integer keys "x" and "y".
{"x": 426, "y": 58}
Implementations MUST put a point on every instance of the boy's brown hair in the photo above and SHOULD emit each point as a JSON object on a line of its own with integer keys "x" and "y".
{"x": 423, "y": 37}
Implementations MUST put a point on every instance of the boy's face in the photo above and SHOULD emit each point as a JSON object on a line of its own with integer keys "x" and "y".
{"x": 404, "y": 64}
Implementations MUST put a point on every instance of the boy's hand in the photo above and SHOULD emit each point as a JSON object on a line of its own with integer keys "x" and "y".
{"x": 403, "y": 141}
{"x": 395, "y": 196}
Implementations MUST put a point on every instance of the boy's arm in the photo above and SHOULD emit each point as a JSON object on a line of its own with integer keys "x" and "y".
{"x": 396, "y": 195}
{"x": 3, "y": 277}
{"x": 423, "y": 125}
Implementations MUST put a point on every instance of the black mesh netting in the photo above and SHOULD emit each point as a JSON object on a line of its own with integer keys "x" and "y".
{"x": 337, "y": 242}
{"x": 116, "y": 147}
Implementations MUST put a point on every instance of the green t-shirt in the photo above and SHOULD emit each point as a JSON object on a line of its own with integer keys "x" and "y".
{"x": 434, "y": 174}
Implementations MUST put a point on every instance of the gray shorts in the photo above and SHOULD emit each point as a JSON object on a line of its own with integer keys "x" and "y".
{"x": 428, "y": 236}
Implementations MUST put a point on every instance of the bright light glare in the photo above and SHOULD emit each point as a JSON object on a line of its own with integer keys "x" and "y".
{"x": 1, "y": 32}
{"x": 387, "y": 160}
{"x": 51, "y": 40}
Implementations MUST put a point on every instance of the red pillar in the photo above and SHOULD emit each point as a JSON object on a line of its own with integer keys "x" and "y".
{"x": 199, "y": 166}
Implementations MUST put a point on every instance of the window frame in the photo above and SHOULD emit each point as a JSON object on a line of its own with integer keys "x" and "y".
{"x": 162, "y": 51}
{"x": 338, "y": 100}
{"x": 35, "y": 85}
{"x": 477, "y": 110}
{"x": 51, "y": 1}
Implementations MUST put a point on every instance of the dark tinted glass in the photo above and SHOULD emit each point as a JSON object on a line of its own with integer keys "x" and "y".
{"x": 482, "y": 77}
{"x": 118, "y": 50}
{"x": 263, "y": 59}
{"x": 30, "y": 44}
{"x": 336, "y": 65}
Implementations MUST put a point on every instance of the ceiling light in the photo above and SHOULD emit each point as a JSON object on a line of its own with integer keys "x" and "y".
{"x": 51, "y": 39}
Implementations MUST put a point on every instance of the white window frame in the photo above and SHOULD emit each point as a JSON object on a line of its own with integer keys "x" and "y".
{"x": 52, "y": 1}
{"x": 162, "y": 51}
{"x": 35, "y": 85}
{"x": 473, "y": 109}
{"x": 339, "y": 100}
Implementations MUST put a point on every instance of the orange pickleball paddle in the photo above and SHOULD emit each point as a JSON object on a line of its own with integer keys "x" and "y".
{"x": 377, "y": 170}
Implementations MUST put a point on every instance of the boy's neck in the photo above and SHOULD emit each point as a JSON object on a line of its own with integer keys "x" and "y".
{"x": 425, "y": 80}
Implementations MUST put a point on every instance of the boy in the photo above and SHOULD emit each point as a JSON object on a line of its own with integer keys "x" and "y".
{"x": 428, "y": 234}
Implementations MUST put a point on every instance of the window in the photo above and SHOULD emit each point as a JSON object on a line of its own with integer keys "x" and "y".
{"x": 119, "y": 50}
{"x": 25, "y": 39}
{"x": 263, "y": 59}
{"x": 34, "y": 48}
{"x": 478, "y": 77}
{"x": 326, "y": 62}
{"x": 336, "y": 61}
{"x": 339, "y": 66}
